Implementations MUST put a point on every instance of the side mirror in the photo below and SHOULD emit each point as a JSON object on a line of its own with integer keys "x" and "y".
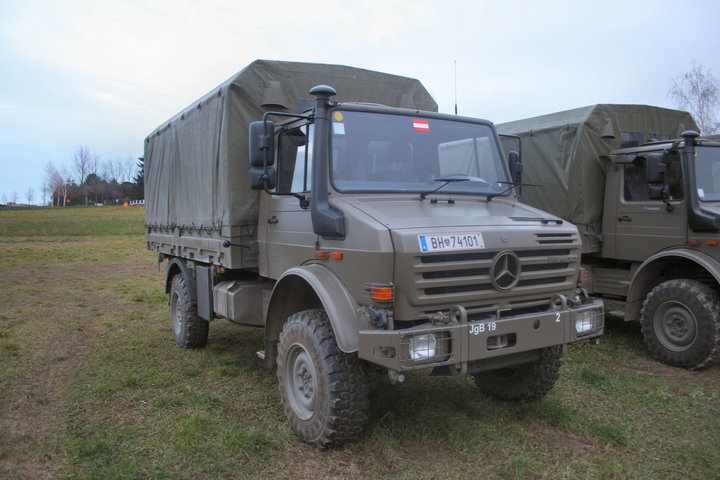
{"x": 262, "y": 179}
{"x": 655, "y": 168}
{"x": 516, "y": 167}
{"x": 658, "y": 192}
{"x": 262, "y": 144}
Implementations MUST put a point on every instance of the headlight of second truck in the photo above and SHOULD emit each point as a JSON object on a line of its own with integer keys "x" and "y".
{"x": 587, "y": 322}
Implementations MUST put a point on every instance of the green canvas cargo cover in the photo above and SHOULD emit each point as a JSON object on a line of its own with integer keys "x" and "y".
{"x": 196, "y": 164}
{"x": 562, "y": 153}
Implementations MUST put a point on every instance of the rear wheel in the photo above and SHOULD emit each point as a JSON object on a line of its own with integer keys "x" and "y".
{"x": 189, "y": 330}
{"x": 681, "y": 323}
{"x": 523, "y": 383}
{"x": 323, "y": 389}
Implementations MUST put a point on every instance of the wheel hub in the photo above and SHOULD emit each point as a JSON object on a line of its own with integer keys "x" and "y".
{"x": 301, "y": 382}
{"x": 177, "y": 316}
{"x": 675, "y": 326}
{"x": 305, "y": 385}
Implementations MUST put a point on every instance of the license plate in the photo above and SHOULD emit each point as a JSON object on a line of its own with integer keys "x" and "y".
{"x": 446, "y": 242}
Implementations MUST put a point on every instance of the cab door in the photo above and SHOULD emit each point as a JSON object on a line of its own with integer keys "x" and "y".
{"x": 290, "y": 239}
{"x": 650, "y": 212}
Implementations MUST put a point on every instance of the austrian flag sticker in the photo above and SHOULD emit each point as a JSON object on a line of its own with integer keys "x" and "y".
{"x": 421, "y": 125}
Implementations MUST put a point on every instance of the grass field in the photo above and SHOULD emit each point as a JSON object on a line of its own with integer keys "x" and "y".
{"x": 92, "y": 386}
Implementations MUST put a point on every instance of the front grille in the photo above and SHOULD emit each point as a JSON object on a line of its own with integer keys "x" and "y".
{"x": 431, "y": 283}
{"x": 554, "y": 238}
{"x": 458, "y": 273}
{"x": 466, "y": 277}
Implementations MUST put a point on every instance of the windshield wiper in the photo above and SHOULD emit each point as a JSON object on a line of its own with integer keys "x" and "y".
{"x": 512, "y": 185}
{"x": 448, "y": 179}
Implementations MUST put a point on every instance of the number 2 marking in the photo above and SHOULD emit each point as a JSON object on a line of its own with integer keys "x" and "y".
{"x": 557, "y": 317}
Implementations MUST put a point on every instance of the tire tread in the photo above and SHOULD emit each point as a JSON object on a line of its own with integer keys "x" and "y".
{"x": 525, "y": 383}
{"x": 347, "y": 389}
{"x": 707, "y": 352}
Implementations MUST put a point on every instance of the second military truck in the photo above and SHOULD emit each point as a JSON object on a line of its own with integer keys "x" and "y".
{"x": 644, "y": 191}
{"x": 370, "y": 233}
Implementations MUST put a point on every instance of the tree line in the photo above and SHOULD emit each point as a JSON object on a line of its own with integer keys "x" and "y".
{"x": 90, "y": 180}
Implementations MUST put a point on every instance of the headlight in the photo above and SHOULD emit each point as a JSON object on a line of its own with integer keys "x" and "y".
{"x": 423, "y": 347}
{"x": 585, "y": 322}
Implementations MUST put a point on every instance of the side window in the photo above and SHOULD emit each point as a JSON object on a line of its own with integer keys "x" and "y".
{"x": 631, "y": 139}
{"x": 637, "y": 188}
{"x": 675, "y": 180}
{"x": 295, "y": 160}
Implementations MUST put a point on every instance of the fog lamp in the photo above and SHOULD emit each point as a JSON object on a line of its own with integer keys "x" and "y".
{"x": 423, "y": 347}
{"x": 585, "y": 322}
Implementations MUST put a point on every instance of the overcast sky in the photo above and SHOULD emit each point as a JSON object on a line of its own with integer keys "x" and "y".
{"x": 103, "y": 74}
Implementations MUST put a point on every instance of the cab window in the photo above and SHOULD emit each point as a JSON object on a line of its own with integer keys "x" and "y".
{"x": 637, "y": 188}
{"x": 295, "y": 160}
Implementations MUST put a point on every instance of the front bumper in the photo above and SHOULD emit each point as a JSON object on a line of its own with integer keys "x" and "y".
{"x": 460, "y": 342}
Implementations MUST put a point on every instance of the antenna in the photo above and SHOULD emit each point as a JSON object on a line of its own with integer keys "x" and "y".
{"x": 455, "y": 61}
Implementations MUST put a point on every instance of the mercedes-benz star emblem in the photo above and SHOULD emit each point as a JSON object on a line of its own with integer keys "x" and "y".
{"x": 505, "y": 270}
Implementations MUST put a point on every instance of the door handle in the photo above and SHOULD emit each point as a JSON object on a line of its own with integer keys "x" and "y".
{"x": 272, "y": 220}
{"x": 624, "y": 218}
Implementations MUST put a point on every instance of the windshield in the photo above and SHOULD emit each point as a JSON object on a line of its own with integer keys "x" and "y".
{"x": 707, "y": 173}
{"x": 374, "y": 152}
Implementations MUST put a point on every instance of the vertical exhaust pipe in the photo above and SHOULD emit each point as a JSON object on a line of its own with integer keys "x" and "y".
{"x": 327, "y": 220}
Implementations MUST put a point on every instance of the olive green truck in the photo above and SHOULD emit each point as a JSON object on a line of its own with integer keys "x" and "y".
{"x": 644, "y": 190}
{"x": 374, "y": 235}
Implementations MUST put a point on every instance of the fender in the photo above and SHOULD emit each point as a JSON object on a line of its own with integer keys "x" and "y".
{"x": 178, "y": 264}
{"x": 645, "y": 276}
{"x": 341, "y": 308}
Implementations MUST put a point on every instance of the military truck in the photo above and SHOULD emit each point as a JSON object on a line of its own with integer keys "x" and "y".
{"x": 376, "y": 234}
{"x": 644, "y": 191}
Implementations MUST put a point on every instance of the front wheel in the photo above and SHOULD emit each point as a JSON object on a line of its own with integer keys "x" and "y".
{"x": 323, "y": 389}
{"x": 681, "y": 323}
{"x": 523, "y": 383}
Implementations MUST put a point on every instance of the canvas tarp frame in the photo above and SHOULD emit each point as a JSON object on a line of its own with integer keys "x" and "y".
{"x": 196, "y": 164}
{"x": 563, "y": 152}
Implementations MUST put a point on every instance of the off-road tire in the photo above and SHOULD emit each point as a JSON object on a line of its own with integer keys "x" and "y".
{"x": 189, "y": 330}
{"x": 681, "y": 323}
{"x": 323, "y": 390}
{"x": 523, "y": 383}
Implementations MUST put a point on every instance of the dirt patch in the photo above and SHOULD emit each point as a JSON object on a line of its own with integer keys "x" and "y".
{"x": 33, "y": 415}
{"x": 561, "y": 438}
{"x": 707, "y": 379}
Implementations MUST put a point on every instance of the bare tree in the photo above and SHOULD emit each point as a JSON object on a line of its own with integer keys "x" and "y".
{"x": 110, "y": 170}
{"x": 81, "y": 164}
{"x": 52, "y": 181}
{"x": 128, "y": 169}
{"x": 30, "y": 195}
{"x": 64, "y": 181}
{"x": 57, "y": 181}
{"x": 84, "y": 164}
{"x": 699, "y": 92}
{"x": 95, "y": 165}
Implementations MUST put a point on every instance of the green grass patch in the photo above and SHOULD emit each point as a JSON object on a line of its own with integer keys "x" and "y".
{"x": 9, "y": 348}
{"x": 72, "y": 221}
